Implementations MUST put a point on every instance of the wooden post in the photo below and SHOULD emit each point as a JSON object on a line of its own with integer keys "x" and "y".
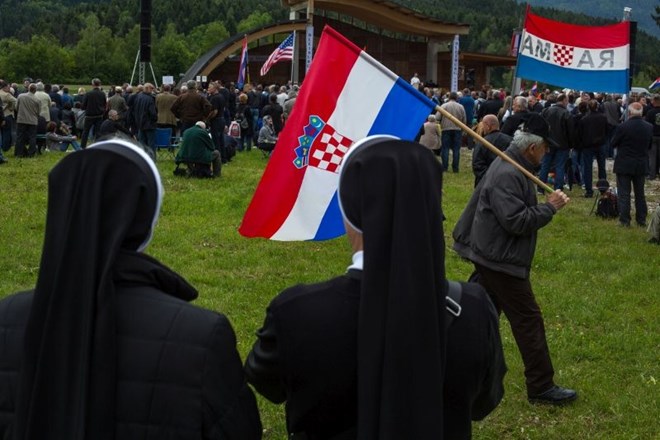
{"x": 493, "y": 148}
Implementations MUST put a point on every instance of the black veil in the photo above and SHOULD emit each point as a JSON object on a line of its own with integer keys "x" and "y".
{"x": 391, "y": 190}
{"x": 101, "y": 201}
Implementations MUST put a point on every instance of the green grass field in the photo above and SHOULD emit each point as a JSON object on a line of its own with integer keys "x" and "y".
{"x": 598, "y": 285}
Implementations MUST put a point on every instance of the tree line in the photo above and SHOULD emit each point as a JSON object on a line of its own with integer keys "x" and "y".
{"x": 71, "y": 41}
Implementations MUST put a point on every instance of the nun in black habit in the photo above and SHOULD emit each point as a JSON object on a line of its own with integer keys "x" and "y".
{"x": 365, "y": 355}
{"x": 107, "y": 346}
{"x": 362, "y": 355}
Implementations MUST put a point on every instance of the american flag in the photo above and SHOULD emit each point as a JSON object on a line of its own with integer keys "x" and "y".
{"x": 283, "y": 52}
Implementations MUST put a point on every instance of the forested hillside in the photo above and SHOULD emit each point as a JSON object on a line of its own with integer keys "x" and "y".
{"x": 73, "y": 40}
{"x": 642, "y": 10}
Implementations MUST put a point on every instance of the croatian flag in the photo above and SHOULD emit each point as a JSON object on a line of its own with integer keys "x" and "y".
{"x": 655, "y": 85}
{"x": 578, "y": 57}
{"x": 347, "y": 96}
{"x": 243, "y": 75}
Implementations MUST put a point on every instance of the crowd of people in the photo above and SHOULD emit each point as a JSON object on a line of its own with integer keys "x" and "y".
{"x": 138, "y": 112}
{"x": 584, "y": 127}
{"x": 389, "y": 350}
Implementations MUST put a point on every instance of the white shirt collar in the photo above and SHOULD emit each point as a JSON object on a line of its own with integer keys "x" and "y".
{"x": 358, "y": 259}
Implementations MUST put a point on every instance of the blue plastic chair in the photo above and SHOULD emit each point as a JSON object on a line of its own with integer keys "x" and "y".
{"x": 165, "y": 141}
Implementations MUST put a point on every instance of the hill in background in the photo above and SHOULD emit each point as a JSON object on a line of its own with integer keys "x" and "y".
{"x": 610, "y": 9}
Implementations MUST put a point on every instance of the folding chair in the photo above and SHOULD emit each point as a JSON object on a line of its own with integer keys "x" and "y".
{"x": 165, "y": 141}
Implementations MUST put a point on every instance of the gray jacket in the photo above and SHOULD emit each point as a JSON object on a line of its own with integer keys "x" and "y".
{"x": 498, "y": 227}
{"x": 28, "y": 107}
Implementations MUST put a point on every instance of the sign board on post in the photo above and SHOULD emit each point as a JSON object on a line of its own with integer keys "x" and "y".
{"x": 454, "y": 64}
{"x": 168, "y": 80}
{"x": 309, "y": 40}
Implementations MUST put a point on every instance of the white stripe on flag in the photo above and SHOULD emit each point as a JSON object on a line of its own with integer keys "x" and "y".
{"x": 615, "y": 58}
{"x": 361, "y": 99}
{"x": 316, "y": 191}
{"x": 364, "y": 93}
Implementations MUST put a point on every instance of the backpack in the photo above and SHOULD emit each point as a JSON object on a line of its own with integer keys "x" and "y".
{"x": 234, "y": 129}
{"x": 608, "y": 206}
{"x": 243, "y": 123}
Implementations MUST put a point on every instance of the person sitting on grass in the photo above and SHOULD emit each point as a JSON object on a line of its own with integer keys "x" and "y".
{"x": 113, "y": 125}
{"x": 60, "y": 139}
{"x": 198, "y": 152}
{"x": 267, "y": 136}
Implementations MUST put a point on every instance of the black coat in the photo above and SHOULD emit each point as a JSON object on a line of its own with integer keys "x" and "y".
{"x": 632, "y": 139}
{"x": 179, "y": 374}
{"x": 94, "y": 103}
{"x": 513, "y": 122}
{"x": 482, "y": 156}
{"x": 559, "y": 120}
{"x": 306, "y": 355}
{"x": 143, "y": 112}
{"x": 592, "y": 130}
{"x": 489, "y": 107}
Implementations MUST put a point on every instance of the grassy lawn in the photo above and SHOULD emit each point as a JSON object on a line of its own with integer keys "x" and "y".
{"x": 598, "y": 285}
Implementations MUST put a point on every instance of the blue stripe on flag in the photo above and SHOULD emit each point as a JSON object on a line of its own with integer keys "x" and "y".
{"x": 403, "y": 112}
{"x": 332, "y": 224}
{"x": 612, "y": 81}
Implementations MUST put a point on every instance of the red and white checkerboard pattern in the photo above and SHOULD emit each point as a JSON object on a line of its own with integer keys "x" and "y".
{"x": 329, "y": 150}
{"x": 563, "y": 55}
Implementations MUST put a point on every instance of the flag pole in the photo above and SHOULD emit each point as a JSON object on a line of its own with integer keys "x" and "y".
{"x": 493, "y": 148}
{"x": 293, "y": 59}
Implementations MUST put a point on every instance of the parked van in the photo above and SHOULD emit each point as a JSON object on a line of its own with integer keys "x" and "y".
{"x": 641, "y": 91}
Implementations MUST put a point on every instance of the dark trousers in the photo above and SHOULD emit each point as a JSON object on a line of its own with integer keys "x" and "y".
{"x": 91, "y": 122}
{"x": 587, "y": 170}
{"x": 147, "y": 137}
{"x": 216, "y": 165}
{"x": 218, "y": 135}
{"x": 25, "y": 134}
{"x": 654, "y": 157}
{"x": 7, "y": 137}
{"x": 514, "y": 296}
{"x": 451, "y": 140}
{"x": 186, "y": 125}
{"x": 556, "y": 159}
{"x": 623, "y": 184}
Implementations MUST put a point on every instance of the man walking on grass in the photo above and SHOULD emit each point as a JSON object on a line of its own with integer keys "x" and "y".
{"x": 497, "y": 232}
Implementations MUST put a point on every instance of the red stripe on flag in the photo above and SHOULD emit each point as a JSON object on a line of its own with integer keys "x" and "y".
{"x": 334, "y": 59}
{"x": 588, "y": 37}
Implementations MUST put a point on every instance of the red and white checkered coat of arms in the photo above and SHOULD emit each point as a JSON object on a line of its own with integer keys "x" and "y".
{"x": 321, "y": 146}
{"x": 563, "y": 55}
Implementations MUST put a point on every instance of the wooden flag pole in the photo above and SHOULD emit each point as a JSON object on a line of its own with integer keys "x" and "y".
{"x": 493, "y": 148}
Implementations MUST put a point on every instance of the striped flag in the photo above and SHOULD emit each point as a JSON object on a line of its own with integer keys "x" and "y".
{"x": 243, "y": 73}
{"x": 283, "y": 52}
{"x": 573, "y": 56}
{"x": 296, "y": 198}
{"x": 655, "y": 85}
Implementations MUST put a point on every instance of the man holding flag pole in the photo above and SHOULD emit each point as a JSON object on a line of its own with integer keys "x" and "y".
{"x": 296, "y": 198}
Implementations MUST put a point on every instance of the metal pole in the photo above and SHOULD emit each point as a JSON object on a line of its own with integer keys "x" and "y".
{"x": 137, "y": 60}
